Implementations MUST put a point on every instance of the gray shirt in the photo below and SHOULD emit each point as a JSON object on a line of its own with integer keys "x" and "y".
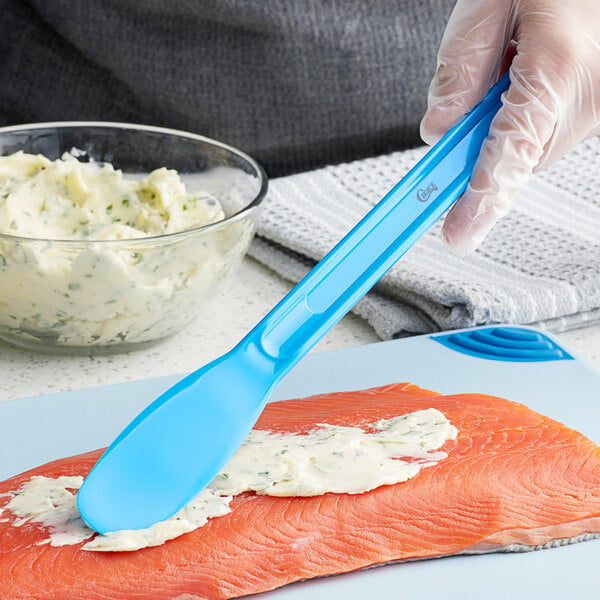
{"x": 295, "y": 83}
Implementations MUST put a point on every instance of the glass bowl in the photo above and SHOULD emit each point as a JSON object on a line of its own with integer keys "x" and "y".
{"x": 107, "y": 296}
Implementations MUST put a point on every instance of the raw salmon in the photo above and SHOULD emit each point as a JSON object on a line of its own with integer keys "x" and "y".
{"x": 512, "y": 479}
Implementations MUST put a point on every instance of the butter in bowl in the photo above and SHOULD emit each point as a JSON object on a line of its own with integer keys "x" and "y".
{"x": 115, "y": 236}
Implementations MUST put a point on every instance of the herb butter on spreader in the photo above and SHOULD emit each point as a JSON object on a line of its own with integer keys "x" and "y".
{"x": 100, "y": 293}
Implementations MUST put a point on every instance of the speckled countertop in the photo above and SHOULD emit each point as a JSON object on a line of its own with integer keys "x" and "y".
{"x": 248, "y": 296}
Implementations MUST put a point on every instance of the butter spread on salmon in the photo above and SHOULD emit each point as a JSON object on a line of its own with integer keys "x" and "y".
{"x": 336, "y": 459}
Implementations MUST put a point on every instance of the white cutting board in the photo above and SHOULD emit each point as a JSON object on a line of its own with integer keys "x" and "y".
{"x": 36, "y": 430}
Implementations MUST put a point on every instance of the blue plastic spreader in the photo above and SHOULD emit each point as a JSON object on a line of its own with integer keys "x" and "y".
{"x": 177, "y": 445}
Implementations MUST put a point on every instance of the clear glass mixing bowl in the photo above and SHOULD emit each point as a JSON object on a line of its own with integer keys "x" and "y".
{"x": 105, "y": 296}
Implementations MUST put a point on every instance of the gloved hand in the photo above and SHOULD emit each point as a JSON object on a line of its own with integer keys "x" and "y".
{"x": 552, "y": 104}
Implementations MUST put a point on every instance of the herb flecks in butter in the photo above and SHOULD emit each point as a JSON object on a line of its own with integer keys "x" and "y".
{"x": 51, "y": 503}
{"x": 329, "y": 459}
{"x": 68, "y": 199}
{"x": 113, "y": 282}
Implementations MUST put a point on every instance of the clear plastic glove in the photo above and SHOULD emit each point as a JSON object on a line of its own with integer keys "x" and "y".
{"x": 553, "y": 102}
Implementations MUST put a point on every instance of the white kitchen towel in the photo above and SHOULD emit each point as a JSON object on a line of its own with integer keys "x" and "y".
{"x": 540, "y": 266}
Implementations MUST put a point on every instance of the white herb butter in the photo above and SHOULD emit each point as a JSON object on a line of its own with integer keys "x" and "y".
{"x": 86, "y": 269}
{"x": 329, "y": 459}
{"x": 70, "y": 200}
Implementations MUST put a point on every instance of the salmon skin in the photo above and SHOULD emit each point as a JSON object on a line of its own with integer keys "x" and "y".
{"x": 513, "y": 479}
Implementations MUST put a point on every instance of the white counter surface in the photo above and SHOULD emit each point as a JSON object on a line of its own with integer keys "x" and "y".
{"x": 251, "y": 292}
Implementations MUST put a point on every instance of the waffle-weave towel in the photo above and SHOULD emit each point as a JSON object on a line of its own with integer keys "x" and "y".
{"x": 540, "y": 266}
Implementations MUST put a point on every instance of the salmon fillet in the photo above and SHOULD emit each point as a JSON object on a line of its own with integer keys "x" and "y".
{"x": 512, "y": 479}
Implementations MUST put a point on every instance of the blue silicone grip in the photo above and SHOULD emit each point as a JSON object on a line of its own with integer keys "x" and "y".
{"x": 361, "y": 258}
